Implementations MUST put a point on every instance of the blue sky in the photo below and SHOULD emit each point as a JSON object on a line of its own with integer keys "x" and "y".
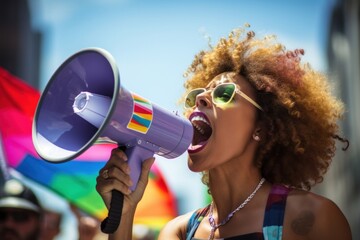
{"x": 154, "y": 42}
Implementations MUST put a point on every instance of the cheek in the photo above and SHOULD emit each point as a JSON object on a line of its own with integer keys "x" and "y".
{"x": 235, "y": 131}
{"x": 31, "y": 228}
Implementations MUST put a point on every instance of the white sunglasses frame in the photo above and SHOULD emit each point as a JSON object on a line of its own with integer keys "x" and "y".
{"x": 237, "y": 90}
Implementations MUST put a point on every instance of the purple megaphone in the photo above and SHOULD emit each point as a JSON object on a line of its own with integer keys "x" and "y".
{"x": 84, "y": 102}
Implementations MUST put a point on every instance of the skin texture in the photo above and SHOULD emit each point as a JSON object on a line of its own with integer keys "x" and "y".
{"x": 51, "y": 222}
{"x": 247, "y": 144}
{"x": 28, "y": 230}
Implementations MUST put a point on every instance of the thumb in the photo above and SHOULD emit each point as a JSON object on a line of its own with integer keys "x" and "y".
{"x": 144, "y": 176}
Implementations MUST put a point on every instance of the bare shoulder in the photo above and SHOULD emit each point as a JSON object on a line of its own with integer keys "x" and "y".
{"x": 311, "y": 216}
{"x": 176, "y": 228}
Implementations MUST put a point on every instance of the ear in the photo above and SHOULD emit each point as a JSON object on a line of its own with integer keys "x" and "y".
{"x": 258, "y": 130}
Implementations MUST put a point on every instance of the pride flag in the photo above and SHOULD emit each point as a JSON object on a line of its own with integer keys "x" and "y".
{"x": 74, "y": 180}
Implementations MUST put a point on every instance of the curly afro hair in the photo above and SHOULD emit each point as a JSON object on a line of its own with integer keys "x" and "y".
{"x": 300, "y": 113}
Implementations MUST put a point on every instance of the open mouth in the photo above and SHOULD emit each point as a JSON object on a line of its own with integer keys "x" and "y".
{"x": 202, "y": 131}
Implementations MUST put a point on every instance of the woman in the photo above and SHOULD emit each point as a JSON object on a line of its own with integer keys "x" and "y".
{"x": 265, "y": 132}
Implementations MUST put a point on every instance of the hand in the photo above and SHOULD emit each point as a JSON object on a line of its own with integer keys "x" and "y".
{"x": 87, "y": 226}
{"x": 115, "y": 175}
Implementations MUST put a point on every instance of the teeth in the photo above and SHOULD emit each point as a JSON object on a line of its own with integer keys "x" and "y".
{"x": 199, "y": 118}
{"x": 199, "y": 129}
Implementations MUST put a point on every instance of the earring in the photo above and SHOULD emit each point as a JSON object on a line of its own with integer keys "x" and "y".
{"x": 256, "y": 138}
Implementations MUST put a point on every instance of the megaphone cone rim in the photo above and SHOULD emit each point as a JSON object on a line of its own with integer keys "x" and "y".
{"x": 93, "y": 139}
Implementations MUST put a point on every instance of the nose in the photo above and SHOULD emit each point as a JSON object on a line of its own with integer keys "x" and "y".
{"x": 203, "y": 100}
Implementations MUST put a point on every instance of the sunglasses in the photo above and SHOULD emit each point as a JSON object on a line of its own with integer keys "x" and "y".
{"x": 221, "y": 95}
{"x": 17, "y": 216}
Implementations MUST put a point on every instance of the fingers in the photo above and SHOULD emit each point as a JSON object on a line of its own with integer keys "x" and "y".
{"x": 117, "y": 159}
{"x": 115, "y": 174}
{"x": 121, "y": 184}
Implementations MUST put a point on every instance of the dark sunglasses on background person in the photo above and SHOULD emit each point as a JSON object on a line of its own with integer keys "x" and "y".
{"x": 20, "y": 216}
{"x": 221, "y": 95}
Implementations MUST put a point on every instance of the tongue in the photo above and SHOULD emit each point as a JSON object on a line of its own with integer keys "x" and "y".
{"x": 200, "y": 139}
{"x": 197, "y": 147}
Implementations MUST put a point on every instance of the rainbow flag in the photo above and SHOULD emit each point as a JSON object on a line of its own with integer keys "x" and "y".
{"x": 142, "y": 115}
{"x": 74, "y": 180}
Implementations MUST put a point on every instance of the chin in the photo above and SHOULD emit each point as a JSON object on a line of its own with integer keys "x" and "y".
{"x": 196, "y": 165}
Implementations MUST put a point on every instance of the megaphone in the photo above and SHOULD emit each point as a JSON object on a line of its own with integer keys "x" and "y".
{"x": 84, "y": 102}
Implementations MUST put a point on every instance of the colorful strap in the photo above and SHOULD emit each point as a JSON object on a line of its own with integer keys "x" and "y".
{"x": 274, "y": 212}
{"x": 273, "y": 220}
{"x": 195, "y": 221}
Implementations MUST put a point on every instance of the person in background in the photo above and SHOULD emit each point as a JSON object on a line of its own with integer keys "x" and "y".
{"x": 265, "y": 132}
{"x": 88, "y": 226}
{"x": 143, "y": 232}
{"x": 20, "y": 212}
{"x": 51, "y": 226}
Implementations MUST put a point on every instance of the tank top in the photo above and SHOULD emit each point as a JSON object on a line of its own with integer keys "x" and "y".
{"x": 273, "y": 218}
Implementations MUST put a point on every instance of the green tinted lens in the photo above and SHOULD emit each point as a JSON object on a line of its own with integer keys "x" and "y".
{"x": 190, "y": 100}
{"x": 223, "y": 93}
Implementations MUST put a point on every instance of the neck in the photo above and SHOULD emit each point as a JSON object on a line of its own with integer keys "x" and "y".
{"x": 214, "y": 225}
{"x": 232, "y": 186}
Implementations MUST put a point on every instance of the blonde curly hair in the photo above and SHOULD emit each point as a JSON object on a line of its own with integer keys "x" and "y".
{"x": 300, "y": 113}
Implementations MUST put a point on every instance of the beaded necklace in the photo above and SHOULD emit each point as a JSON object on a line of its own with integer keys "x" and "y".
{"x": 227, "y": 219}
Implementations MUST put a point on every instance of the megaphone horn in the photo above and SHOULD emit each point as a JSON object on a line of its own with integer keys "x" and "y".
{"x": 84, "y": 102}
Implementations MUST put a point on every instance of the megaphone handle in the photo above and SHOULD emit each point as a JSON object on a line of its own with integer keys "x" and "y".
{"x": 111, "y": 223}
{"x": 136, "y": 156}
